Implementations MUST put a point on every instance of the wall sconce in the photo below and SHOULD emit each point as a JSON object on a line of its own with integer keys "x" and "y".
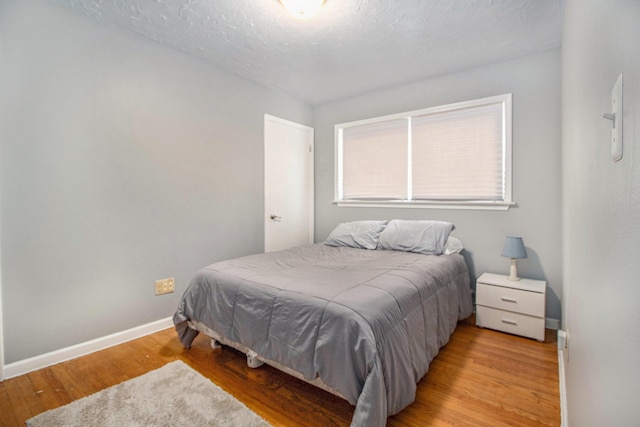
{"x": 616, "y": 120}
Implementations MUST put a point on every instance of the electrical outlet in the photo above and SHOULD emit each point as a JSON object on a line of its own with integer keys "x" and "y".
{"x": 165, "y": 286}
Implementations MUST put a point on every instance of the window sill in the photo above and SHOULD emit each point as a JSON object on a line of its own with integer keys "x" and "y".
{"x": 479, "y": 205}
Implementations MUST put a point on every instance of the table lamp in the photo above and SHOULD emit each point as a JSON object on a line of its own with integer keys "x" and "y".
{"x": 514, "y": 249}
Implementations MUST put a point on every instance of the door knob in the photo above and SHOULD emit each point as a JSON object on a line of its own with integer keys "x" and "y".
{"x": 275, "y": 218}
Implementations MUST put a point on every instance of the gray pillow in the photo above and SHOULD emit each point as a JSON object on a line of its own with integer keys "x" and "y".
{"x": 357, "y": 234}
{"x": 424, "y": 237}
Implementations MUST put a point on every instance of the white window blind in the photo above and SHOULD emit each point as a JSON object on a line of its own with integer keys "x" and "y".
{"x": 375, "y": 161}
{"x": 456, "y": 154}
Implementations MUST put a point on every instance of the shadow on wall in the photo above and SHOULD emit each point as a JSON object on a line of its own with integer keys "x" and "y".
{"x": 468, "y": 259}
{"x": 533, "y": 269}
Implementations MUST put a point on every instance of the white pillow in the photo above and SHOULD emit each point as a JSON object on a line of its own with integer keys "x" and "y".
{"x": 357, "y": 234}
{"x": 424, "y": 237}
{"x": 453, "y": 246}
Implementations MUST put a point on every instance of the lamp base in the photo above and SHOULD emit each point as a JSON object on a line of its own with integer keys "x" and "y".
{"x": 513, "y": 270}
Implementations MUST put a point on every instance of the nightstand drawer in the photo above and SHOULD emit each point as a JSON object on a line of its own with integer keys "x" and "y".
{"x": 514, "y": 323}
{"x": 516, "y": 300}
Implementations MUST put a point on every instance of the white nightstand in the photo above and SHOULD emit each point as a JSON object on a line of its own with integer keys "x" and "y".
{"x": 514, "y": 306}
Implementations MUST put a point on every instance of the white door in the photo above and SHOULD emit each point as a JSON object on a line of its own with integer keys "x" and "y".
{"x": 288, "y": 184}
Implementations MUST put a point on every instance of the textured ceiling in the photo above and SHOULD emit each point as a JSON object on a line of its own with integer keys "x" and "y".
{"x": 351, "y": 46}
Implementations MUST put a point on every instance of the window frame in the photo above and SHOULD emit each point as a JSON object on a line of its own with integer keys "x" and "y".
{"x": 506, "y": 203}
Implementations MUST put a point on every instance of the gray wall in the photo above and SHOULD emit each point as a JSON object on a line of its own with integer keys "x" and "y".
{"x": 601, "y": 214}
{"x": 534, "y": 81}
{"x": 123, "y": 162}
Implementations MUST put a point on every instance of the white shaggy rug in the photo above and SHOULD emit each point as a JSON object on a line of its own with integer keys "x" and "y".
{"x": 174, "y": 395}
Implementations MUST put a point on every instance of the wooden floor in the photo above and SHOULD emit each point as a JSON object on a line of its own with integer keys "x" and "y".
{"x": 481, "y": 378}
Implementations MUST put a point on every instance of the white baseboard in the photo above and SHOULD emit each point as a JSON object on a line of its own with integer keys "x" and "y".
{"x": 564, "y": 420}
{"x": 38, "y": 362}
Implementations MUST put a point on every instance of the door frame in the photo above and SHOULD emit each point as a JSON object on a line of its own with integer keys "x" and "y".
{"x": 310, "y": 190}
{"x": 1, "y": 311}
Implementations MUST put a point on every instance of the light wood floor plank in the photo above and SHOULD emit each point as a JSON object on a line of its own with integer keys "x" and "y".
{"x": 481, "y": 378}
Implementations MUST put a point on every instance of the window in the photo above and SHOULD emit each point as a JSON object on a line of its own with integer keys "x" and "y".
{"x": 454, "y": 156}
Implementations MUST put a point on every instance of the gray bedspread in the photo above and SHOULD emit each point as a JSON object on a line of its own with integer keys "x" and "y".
{"x": 367, "y": 322}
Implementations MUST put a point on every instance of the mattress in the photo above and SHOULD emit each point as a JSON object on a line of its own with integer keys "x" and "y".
{"x": 365, "y": 323}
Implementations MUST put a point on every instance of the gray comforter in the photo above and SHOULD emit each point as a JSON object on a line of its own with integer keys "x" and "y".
{"x": 367, "y": 322}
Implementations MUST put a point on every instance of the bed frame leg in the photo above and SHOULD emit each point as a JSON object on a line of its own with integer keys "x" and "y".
{"x": 215, "y": 344}
{"x": 252, "y": 360}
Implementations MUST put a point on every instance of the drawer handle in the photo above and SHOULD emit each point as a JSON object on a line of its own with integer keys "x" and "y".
{"x": 510, "y": 322}
{"x": 508, "y": 299}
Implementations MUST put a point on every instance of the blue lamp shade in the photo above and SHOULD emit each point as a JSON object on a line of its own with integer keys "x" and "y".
{"x": 514, "y": 248}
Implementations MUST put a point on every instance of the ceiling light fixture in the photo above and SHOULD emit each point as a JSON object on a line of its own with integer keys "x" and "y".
{"x": 303, "y": 9}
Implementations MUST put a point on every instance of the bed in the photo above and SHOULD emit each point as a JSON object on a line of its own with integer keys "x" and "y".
{"x": 360, "y": 315}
